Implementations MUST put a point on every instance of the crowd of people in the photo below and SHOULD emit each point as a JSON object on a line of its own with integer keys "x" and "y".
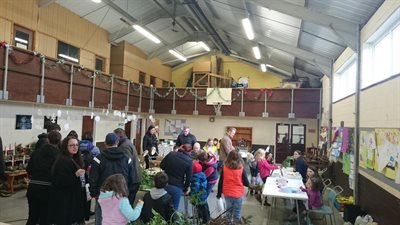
{"x": 67, "y": 174}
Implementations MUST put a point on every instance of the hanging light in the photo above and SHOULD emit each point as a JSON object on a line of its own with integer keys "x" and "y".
{"x": 96, "y": 1}
{"x": 263, "y": 67}
{"x": 146, "y": 34}
{"x": 256, "y": 52}
{"x": 248, "y": 28}
{"x": 177, "y": 55}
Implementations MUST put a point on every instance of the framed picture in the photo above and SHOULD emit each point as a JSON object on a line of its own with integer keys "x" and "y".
{"x": 48, "y": 120}
{"x": 23, "y": 122}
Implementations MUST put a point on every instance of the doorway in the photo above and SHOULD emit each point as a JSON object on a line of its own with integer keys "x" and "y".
{"x": 138, "y": 139}
{"x": 88, "y": 125}
{"x": 289, "y": 137}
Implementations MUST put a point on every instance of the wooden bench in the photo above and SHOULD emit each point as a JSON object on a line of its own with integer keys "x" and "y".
{"x": 11, "y": 177}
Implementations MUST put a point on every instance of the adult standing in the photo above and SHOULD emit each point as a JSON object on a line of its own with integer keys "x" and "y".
{"x": 300, "y": 164}
{"x": 150, "y": 142}
{"x": 111, "y": 161}
{"x": 127, "y": 145}
{"x": 67, "y": 180}
{"x": 178, "y": 166}
{"x": 226, "y": 144}
{"x": 39, "y": 169}
{"x": 186, "y": 138}
{"x": 43, "y": 136}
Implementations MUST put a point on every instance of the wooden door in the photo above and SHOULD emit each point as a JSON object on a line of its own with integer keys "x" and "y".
{"x": 298, "y": 137}
{"x": 138, "y": 139}
{"x": 243, "y": 138}
{"x": 87, "y": 125}
{"x": 282, "y": 141}
{"x": 127, "y": 129}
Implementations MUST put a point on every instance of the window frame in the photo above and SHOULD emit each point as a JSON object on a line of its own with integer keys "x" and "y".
{"x": 142, "y": 78}
{"x": 97, "y": 57}
{"x": 69, "y": 46}
{"x": 343, "y": 76}
{"x": 153, "y": 80}
{"x": 30, "y": 33}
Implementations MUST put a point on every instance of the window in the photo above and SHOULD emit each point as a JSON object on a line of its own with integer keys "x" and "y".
{"x": 142, "y": 77}
{"x": 67, "y": 52}
{"x": 152, "y": 81}
{"x": 344, "y": 81}
{"x": 100, "y": 61}
{"x": 165, "y": 83}
{"x": 23, "y": 38}
{"x": 381, "y": 53}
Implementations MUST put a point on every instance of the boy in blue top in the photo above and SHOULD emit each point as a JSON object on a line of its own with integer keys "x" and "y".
{"x": 198, "y": 188}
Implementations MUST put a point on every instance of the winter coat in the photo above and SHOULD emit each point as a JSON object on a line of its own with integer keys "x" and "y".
{"x": 182, "y": 139}
{"x": 66, "y": 195}
{"x": 199, "y": 184}
{"x": 210, "y": 169}
{"x": 178, "y": 167}
{"x": 41, "y": 162}
{"x": 150, "y": 141}
{"x": 111, "y": 161}
{"x": 127, "y": 145}
{"x": 159, "y": 200}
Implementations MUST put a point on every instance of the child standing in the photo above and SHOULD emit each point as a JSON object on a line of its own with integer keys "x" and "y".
{"x": 231, "y": 183}
{"x": 114, "y": 202}
{"x": 208, "y": 161}
{"x": 253, "y": 171}
{"x": 198, "y": 188}
{"x": 263, "y": 166}
{"x": 158, "y": 199}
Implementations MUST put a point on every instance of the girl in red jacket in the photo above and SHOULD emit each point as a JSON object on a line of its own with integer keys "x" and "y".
{"x": 231, "y": 183}
{"x": 264, "y": 167}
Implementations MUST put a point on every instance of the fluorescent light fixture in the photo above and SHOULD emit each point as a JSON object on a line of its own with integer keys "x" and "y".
{"x": 248, "y": 29}
{"x": 68, "y": 57}
{"x": 21, "y": 40}
{"x": 96, "y": 1}
{"x": 177, "y": 55}
{"x": 256, "y": 52}
{"x": 146, "y": 34}
{"x": 263, "y": 67}
{"x": 204, "y": 46}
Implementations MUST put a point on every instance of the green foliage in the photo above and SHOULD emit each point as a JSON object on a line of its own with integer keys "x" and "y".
{"x": 288, "y": 161}
{"x": 147, "y": 181}
{"x": 195, "y": 199}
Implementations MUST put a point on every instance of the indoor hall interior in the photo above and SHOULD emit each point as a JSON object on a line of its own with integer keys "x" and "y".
{"x": 316, "y": 76}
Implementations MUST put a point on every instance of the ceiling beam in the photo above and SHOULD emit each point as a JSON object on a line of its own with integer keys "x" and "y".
{"x": 344, "y": 29}
{"x": 45, "y": 3}
{"x": 286, "y": 68}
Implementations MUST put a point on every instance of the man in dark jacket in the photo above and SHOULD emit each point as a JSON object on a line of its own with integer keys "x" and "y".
{"x": 111, "y": 161}
{"x": 178, "y": 167}
{"x": 186, "y": 138}
{"x": 43, "y": 136}
{"x": 129, "y": 148}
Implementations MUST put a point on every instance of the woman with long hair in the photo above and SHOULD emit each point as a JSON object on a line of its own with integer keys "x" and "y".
{"x": 68, "y": 185}
{"x": 150, "y": 145}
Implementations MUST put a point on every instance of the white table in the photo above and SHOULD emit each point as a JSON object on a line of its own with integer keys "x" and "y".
{"x": 287, "y": 173}
{"x": 271, "y": 189}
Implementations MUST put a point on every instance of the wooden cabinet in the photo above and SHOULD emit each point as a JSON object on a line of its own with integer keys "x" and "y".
{"x": 243, "y": 138}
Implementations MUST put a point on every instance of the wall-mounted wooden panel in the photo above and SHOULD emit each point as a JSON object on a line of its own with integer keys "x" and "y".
{"x": 45, "y": 44}
{"x": 5, "y": 30}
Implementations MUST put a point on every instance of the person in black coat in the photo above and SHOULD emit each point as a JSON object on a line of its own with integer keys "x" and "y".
{"x": 159, "y": 200}
{"x": 178, "y": 167}
{"x": 39, "y": 170}
{"x": 149, "y": 142}
{"x": 67, "y": 185}
{"x": 186, "y": 138}
{"x": 43, "y": 139}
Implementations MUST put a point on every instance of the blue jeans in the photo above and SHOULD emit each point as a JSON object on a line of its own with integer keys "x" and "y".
{"x": 176, "y": 193}
{"x": 234, "y": 205}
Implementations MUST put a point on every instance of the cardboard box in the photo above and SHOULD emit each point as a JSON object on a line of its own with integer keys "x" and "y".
{"x": 202, "y": 66}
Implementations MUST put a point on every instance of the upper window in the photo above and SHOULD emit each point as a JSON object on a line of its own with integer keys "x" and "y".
{"x": 152, "y": 81}
{"x": 142, "y": 77}
{"x": 100, "y": 62}
{"x": 381, "y": 53}
{"x": 165, "y": 83}
{"x": 67, "y": 52}
{"x": 344, "y": 81}
{"x": 23, "y": 38}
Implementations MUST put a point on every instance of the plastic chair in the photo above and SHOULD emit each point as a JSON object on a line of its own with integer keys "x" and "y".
{"x": 326, "y": 210}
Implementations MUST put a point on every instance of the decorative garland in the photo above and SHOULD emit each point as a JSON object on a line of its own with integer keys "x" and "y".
{"x": 163, "y": 95}
{"x": 262, "y": 91}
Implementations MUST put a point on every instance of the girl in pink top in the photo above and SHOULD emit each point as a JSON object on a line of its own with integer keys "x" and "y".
{"x": 114, "y": 202}
{"x": 263, "y": 166}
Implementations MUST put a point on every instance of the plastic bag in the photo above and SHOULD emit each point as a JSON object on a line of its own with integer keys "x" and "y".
{"x": 220, "y": 206}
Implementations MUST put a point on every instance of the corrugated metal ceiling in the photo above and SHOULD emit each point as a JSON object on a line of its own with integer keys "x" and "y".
{"x": 289, "y": 41}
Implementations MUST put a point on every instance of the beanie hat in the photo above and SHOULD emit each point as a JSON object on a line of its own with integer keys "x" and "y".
{"x": 197, "y": 167}
{"x": 111, "y": 138}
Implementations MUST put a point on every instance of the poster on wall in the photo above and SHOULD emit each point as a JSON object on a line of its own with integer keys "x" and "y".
{"x": 367, "y": 148}
{"x": 23, "y": 122}
{"x": 388, "y": 149}
{"x": 173, "y": 127}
